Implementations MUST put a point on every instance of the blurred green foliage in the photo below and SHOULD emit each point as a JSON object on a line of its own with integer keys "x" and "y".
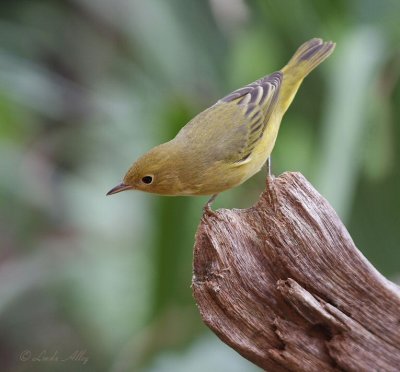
{"x": 86, "y": 86}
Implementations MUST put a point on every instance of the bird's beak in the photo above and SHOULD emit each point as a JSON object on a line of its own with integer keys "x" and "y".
{"x": 121, "y": 187}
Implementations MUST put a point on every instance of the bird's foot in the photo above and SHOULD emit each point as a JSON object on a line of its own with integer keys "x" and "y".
{"x": 269, "y": 181}
{"x": 208, "y": 211}
{"x": 207, "y": 208}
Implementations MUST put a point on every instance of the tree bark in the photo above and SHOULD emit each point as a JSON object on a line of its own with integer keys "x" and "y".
{"x": 284, "y": 285}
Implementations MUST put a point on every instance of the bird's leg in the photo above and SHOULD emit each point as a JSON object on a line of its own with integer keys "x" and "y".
{"x": 270, "y": 189}
{"x": 207, "y": 207}
{"x": 269, "y": 172}
{"x": 269, "y": 166}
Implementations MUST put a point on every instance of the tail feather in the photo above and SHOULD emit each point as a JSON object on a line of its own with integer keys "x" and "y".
{"x": 308, "y": 56}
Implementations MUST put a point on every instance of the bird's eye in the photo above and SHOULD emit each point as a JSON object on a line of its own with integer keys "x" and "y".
{"x": 147, "y": 180}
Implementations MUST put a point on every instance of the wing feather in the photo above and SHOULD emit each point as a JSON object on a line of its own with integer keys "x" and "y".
{"x": 229, "y": 130}
{"x": 257, "y": 102}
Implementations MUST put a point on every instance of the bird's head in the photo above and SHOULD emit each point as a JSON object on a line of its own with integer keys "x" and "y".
{"x": 154, "y": 172}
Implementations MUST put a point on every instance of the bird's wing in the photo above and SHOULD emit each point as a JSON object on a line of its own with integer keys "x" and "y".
{"x": 252, "y": 107}
{"x": 230, "y": 129}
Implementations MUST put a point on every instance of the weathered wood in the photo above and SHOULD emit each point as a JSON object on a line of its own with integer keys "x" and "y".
{"x": 284, "y": 285}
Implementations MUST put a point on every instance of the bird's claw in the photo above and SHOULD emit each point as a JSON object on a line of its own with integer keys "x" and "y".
{"x": 207, "y": 208}
{"x": 208, "y": 211}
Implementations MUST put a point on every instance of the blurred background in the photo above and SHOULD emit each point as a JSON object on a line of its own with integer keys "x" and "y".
{"x": 86, "y": 86}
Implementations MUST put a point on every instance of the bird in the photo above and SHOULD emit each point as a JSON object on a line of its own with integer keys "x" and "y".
{"x": 229, "y": 142}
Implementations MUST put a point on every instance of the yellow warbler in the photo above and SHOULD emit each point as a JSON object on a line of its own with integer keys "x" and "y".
{"x": 229, "y": 142}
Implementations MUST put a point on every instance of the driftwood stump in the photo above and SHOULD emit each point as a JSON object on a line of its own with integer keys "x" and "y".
{"x": 284, "y": 285}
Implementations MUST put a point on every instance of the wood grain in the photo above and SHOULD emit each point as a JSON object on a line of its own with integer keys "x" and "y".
{"x": 284, "y": 285}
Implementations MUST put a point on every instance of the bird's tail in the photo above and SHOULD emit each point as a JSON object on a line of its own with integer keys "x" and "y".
{"x": 307, "y": 57}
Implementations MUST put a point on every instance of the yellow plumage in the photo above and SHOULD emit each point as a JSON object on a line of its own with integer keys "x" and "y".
{"x": 229, "y": 142}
